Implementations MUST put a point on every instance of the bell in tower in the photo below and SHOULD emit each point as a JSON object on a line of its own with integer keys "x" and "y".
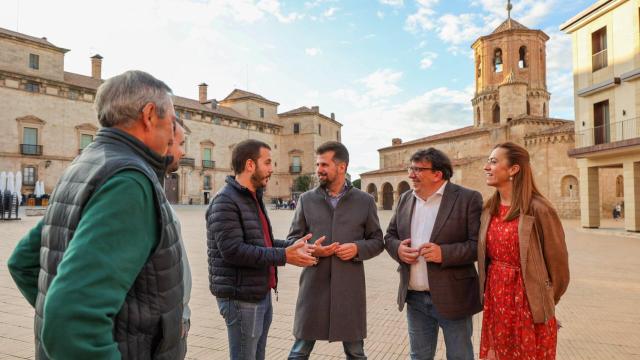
{"x": 510, "y": 66}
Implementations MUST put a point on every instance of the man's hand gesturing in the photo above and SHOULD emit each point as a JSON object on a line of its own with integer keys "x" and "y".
{"x": 299, "y": 254}
{"x": 324, "y": 251}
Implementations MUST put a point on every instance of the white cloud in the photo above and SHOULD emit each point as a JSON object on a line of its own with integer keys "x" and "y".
{"x": 397, "y": 3}
{"x": 421, "y": 20}
{"x": 458, "y": 29}
{"x": 369, "y": 36}
{"x": 330, "y": 12}
{"x": 312, "y": 51}
{"x": 427, "y": 59}
{"x": 380, "y": 14}
{"x": 434, "y": 111}
{"x": 382, "y": 83}
{"x": 273, "y": 7}
{"x": 316, "y": 3}
{"x": 559, "y": 74}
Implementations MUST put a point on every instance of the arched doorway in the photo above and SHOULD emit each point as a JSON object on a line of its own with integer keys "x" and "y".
{"x": 570, "y": 188}
{"x": 402, "y": 187}
{"x": 171, "y": 187}
{"x": 387, "y": 196}
{"x": 373, "y": 191}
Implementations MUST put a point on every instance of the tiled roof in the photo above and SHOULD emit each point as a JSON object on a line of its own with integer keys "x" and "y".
{"x": 220, "y": 110}
{"x": 509, "y": 24}
{"x": 300, "y": 110}
{"x": 81, "y": 80}
{"x": 403, "y": 168}
{"x": 445, "y": 135}
{"x": 237, "y": 94}
{"x": 41, "y": 41}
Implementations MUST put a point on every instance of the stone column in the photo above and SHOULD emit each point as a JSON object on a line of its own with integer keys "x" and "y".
{"x": 396, "y": 197}
{"x": 631, "y": 174}
{"x": 589, "y": 197}
{"x": 380, "y": 199}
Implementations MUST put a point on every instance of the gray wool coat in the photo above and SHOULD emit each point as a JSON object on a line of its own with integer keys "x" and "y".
{"x": 332, "y": 298}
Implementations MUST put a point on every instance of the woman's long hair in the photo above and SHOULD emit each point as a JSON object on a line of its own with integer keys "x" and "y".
{"x": 524, "y": 187}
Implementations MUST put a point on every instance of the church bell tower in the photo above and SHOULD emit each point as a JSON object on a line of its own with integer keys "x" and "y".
{"x": 510, "y": 74}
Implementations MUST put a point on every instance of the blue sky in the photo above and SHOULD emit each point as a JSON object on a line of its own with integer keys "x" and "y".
{"x": 386, "y": 68}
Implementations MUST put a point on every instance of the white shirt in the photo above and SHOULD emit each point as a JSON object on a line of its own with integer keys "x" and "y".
{"x": 424, "y": 217}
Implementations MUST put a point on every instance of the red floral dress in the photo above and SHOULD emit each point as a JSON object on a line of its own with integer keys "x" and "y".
{"x": 508, "y": 331}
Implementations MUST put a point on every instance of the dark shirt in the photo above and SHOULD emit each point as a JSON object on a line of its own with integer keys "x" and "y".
{"x": 267, "y": 241}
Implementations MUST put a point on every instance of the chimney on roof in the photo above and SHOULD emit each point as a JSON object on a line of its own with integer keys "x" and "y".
{"x": 396, "y": 141}
{"x": 96, "y": 67}
{"x": 333, "y": 116}
{"x": 315, "y": 109}
{"x": 202, "y": 93}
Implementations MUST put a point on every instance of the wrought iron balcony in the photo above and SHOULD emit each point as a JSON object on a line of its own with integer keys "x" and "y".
{"x": 30, "y": 149}
{"x": 208, "y": 164}
{"x": 608, "y": 133}
{"x": 187, "y": 161}
{"x": 295, "y": 169}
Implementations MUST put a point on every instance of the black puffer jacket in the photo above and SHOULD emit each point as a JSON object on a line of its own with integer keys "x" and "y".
{"x": 238, "y": 259}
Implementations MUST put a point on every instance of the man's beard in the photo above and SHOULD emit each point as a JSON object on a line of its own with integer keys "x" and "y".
{"x": 173, "y": 167}
{"x": 324, "y": 182}
{"x": 257, "y": 180}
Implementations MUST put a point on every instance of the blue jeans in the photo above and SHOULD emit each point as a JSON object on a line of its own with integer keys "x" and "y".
{"x": 424, "y": 320}
{"x": 354, "y": 350}
{"x": 247, "y": 326}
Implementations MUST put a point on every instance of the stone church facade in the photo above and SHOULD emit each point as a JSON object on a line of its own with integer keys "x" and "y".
{"x": 47, "y": 117}
{"x": 511, "y": 103}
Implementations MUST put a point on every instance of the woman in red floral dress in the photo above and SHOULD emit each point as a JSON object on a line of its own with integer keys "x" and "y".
{"x": 522, "y": 260}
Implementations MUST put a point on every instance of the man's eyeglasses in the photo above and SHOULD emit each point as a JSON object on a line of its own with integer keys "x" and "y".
{"x": 418, "y": 169}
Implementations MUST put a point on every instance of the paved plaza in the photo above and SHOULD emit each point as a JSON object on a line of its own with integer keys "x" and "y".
{"x": 599, "y": 313}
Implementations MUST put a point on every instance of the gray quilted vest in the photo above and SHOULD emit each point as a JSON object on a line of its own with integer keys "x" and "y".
{"x": 148, "y": 324}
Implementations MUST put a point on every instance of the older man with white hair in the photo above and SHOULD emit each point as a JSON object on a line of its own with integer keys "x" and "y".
{"x": 103, "y": 267}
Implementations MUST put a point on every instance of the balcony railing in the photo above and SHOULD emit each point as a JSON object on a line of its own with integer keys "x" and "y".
{"x": 29, "y": 149}
{"x": 295, "y": 169}
{"x": 186, "y": 161}
{"x": 608, "y": 133}
{"x": 599, "y": 60}
{"x": 208, "y": 164}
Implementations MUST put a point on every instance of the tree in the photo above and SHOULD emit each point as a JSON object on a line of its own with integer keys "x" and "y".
{"x": 302, "y": 183}
{"x": 357, "y": 183}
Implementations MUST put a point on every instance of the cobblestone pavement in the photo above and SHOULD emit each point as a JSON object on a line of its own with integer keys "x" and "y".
{"x": 600, "y": 313}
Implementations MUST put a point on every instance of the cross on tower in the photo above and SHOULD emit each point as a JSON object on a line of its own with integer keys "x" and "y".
{"x": 509, "y": 7}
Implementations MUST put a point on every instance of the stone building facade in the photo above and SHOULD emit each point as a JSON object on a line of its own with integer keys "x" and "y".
{"x": 511, "y": 103}
{"x": 48, "y": 117}
{"x": 606, "y": 79}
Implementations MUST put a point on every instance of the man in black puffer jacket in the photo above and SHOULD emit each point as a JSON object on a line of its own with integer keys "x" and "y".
{"x": 243, "y": 254}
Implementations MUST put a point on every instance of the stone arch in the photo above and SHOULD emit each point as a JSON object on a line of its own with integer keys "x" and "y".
{"x": 387, "y": 196}
{"x": 619, "y": 186}
{"x": 522, "y": 57}
{"x": 373, "y": 191}
{"x": 497, "y": 60}
{"x": 496, "y": 114}
{"x": 569, "y": 187}
{"x": 402, "y": 187}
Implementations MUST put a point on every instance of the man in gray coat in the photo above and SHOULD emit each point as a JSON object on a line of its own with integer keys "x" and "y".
{"x": 332, "y": 298}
